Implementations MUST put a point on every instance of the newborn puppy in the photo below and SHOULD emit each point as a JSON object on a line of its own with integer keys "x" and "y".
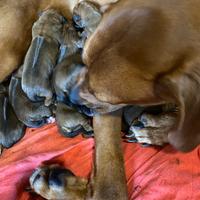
{"x": 71, "y": 42}
{"x": 70, "y": 122}
{"x": 55, "y": 182}
{"x": 87, "y": 15}
{"x": 32, "y": 114}
{"x": 67, "y": 74}
{"x": 11, "y": 129}
{"x": 42, "y": 56}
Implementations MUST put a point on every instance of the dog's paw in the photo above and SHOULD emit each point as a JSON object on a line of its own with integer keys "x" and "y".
{"x": 56, "y": 182}
{"x": 151, "y": 129}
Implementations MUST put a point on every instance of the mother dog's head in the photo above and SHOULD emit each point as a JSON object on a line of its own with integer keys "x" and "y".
{"x": 146, "y": 53}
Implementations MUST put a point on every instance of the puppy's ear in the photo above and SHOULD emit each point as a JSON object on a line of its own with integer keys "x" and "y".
{"x": 182, "y": 87}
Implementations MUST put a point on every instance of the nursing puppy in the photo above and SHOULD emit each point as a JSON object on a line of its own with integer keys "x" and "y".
{"x": 41, "y": 57}
{"x": 69, "y": 67}
{"x": 70, "y": 122}
{"x": 32, "y": 114}
{"x": 11, "y": 129}
{"x": 87, "y": 16}
{"x": 66, "y": 75}
{"x": 71, "y": 42}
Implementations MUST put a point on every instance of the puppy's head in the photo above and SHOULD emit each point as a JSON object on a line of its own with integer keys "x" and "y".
{"x": 49, "y": 25}
{"x": 87, "y": 15}
{"x": 55, "y": 182}
{"x": 71, "y": 39}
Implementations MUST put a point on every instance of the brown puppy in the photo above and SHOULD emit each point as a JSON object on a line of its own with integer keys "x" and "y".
{"x": 70, "y": 122}
{"x": 33, "y": 114}
{"x": 87, "y": 16}
{"x": 42, "y": 56}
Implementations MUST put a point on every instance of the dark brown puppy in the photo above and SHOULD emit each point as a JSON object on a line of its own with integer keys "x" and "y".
{"x": 71, "y": 42}
{"x": 87, "y": 16}
{"x": 33, "y": 114}
{"x": 42, "y": 56}
{"x": 70, "y": 122}
{"x": 11, "y": 129}
{"x": 67, "y": 74}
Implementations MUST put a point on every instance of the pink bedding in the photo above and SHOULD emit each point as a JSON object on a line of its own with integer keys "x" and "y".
{"x": 152, "y": 173}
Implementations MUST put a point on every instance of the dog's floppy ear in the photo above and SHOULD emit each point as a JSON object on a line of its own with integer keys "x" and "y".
{"x": 182, "y": 87}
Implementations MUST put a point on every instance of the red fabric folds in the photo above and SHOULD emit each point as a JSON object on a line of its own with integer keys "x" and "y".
{"x": 152, "y": 173}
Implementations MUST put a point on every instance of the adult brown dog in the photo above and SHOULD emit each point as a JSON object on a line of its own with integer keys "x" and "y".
{"x": 150, "y": 51}
{"x": 143, "y": 52}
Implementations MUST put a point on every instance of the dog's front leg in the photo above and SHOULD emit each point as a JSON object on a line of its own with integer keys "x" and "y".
{"x": 109, "y": 180}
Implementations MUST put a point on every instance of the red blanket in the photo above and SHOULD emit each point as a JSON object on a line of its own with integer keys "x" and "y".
{"x": 152, "y": 173}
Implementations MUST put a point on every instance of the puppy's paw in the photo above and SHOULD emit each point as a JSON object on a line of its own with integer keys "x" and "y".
{"x": 152, "y": 129}
{"x": 56, "y": 182}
